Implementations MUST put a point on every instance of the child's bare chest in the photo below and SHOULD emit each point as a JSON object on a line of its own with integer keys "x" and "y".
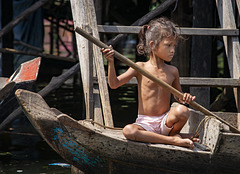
{"x": 162, "y": 75}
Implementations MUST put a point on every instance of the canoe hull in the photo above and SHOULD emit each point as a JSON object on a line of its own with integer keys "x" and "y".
{"x": 96, "y": 150}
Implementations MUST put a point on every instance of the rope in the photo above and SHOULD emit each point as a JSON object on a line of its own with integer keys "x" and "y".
{"x": 201, "y": 125}
{"x": 99, "y": 124}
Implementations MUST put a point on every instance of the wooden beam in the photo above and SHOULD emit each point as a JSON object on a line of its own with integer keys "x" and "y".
{"x": 201, "y": 82}
{"x": 209, "y": 82}
{"x": 48, "y": 56}
{"x": 238, "y": 7}
{"x": 182, "y": 30}
{"x": 232, "y": 47}
{"x": 84, "y": 14}
{"x": 83, "y": 50}
{"x": 90, "y": 101}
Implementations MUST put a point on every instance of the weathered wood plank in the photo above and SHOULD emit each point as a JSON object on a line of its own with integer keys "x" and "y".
{"x": 103, "y": 88}
{"x": 238, "y": 6}
{"x": 90, "y": 101}
{"x": 227, "y": 20}
{"x": 182, "y": 30}
{"x": 84, "y": 14}
{"x": 210, "y": 82}
{"x": 80, "y": 18}
{"x": 204, "y": 82}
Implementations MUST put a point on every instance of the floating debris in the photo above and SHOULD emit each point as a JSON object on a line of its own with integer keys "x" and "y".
{"x": 5, "y": 153}
{"x": 60, "y": 164}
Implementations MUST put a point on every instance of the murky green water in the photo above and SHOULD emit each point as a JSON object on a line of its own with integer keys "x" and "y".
{"x": 27, "y": 153}
{"x": 35, "y": 167}
{"x": 22, "y": 150}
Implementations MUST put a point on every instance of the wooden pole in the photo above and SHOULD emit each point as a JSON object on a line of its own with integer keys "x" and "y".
{"x": 49, "y": 56}
{"x": 153, "y": 78}
{"x": 231, "y": 44}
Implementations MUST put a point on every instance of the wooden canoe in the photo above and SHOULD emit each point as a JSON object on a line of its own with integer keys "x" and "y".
{"x": 102, "y": 150}
{"x": 22, "y": 78}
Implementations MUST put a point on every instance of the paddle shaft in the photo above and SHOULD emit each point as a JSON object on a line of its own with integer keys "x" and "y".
{"x": 165, "y": 85}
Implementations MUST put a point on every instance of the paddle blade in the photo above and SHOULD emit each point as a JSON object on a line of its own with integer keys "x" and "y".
{"x": 27, "y": 71}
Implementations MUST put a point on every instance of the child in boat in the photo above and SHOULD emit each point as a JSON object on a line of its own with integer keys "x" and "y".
{"x": 155, "y": 123}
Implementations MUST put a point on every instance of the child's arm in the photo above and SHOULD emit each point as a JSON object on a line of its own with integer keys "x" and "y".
{"x": 187, "y": 98}
{"x": 112, "y": 77}
{"x": 114, "y": 81}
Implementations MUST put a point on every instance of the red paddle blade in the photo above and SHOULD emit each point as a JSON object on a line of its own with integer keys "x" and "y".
{"x": 27, "y": 71}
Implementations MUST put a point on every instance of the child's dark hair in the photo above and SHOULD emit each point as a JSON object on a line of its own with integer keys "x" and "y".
{"x": 155, "y": 31}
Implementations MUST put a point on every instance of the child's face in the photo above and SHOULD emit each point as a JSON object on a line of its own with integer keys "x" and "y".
{"x": 165, "y": 49}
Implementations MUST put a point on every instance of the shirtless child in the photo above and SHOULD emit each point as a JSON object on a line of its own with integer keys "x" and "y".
{"x": 155, "y": 123}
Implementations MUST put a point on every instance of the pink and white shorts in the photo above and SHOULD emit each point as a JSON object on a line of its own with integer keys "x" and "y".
{"x": 156, "y": 124}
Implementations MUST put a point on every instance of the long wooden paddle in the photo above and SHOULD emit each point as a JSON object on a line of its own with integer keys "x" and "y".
{"x": 153, "y": 78}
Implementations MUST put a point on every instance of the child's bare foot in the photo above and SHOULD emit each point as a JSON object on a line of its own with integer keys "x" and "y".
{"x": 185, "y": 142}
{"x": 190, "y": 136}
